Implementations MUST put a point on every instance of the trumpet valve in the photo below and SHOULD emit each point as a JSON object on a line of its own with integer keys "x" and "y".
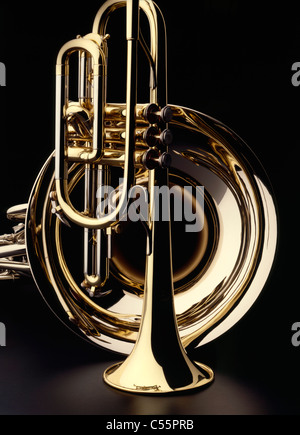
{"x": 153, "y": 137}
{"x": 153, "y": 114}
{"x": 152, "y": 159}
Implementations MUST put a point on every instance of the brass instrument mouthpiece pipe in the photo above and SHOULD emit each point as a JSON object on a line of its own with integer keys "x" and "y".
{"x": 131, "y": 91}
{"x": 62, "y": 98}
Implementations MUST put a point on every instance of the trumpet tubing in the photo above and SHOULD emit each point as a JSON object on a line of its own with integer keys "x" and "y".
{"x": 172, "y": 213}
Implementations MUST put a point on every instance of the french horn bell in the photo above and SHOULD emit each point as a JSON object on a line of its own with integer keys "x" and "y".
{"x": 150, "y": 288}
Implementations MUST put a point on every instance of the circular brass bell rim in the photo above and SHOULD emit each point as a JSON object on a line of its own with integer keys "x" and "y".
{"x": 206, "y": 376}
{"x": 234, "y": 257}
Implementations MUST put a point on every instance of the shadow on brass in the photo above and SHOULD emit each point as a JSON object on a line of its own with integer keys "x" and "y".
{"x": 148, "y": 289}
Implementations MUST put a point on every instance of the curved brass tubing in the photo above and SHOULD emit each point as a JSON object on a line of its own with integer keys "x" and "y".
{"x": 153, "y": 287}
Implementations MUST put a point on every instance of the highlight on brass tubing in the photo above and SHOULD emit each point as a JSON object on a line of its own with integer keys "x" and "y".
{"x": 154, "y": 275}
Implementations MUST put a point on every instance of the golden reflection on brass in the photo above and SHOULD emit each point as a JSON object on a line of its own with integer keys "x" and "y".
{"x": 149, "y": 289}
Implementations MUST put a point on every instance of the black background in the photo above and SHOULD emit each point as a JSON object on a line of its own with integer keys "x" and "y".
{"x": 229, "y": 59}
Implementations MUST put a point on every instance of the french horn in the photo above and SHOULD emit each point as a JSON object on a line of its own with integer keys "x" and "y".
{"x": 172, "y": 278}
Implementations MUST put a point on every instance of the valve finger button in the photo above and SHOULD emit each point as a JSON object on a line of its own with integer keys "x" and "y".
{"x": 152, "y": 159}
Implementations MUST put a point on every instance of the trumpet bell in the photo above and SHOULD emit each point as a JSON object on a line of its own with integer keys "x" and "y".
{"x": 152, "y": 228}
{"x": 218, "y": 272}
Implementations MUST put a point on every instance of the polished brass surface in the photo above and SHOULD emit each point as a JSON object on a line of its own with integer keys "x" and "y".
{"x": 153, "y": 288}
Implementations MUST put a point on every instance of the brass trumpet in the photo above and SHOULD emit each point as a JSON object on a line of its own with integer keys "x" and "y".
{"x": 180, "y": 186}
